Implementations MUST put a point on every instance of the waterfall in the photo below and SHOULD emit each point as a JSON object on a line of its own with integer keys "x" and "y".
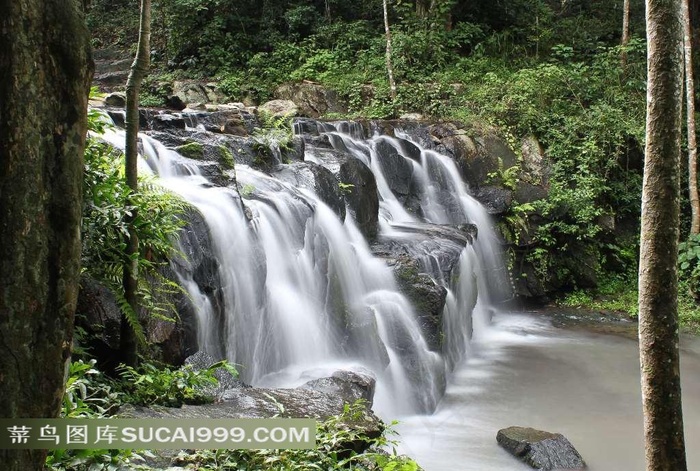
{"x": 303, "y": 293}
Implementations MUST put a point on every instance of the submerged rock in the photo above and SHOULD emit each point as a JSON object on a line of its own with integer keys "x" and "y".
{"x": 542, "y": 450}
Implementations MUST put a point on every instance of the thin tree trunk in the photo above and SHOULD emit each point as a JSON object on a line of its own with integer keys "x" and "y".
{"x": 389, "y": 67}
{"x": 658, "y": 271}
{"x": 46, "y": 69}
{"x": 139, "y": 69}
{"x": 690, "y": 120}
{"x": 625, "y": 32}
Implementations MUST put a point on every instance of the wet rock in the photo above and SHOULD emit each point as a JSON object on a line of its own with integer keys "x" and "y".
{"x": 116, "y": 99}
{"x": 496, "y": 199}
{"x": 313, "y": 100}
{"x": 528, "y": 193}
{"x": 424, "y": 259}
{"x": 305, "y": 126}
{"x": 279, "y": 108}
{"x": 361, "y": 195}
{"x": 317, "y": 178}
{"x": 399, "y": 175}
{"x": 294, "y": 152}
{"x": 175, "y": 102}
{"x": 196, "y": 256}
{"x": 426, "y": 296}
{"x": 165, "y": 121}
{"x": 98, "y": 314}
{"x": 111, "y": 79}
{"x": 238, "y": 122}
{"x": 350, "y": 385}
{"x": 542, "y": 450}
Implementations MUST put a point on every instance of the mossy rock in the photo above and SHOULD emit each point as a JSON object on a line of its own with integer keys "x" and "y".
{"x": 191, "y": 150}
{"x": 226, "y": 157}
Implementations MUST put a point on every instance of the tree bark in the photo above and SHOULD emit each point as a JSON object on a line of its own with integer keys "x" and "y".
{"x": 625, "y": 31}
{"x": 139, "y": 69}
{"x": 389, "y": 67}
{"x": 46, "y": 65}
{"x": 690, "y": 122}
{"x": 658, "y": 272}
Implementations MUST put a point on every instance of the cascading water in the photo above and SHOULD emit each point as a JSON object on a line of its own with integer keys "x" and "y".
{"x": 442, "y": 199}
{"x": 302, "y": 293}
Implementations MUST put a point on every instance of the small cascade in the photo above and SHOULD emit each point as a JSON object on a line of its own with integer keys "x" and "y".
{"x": 302, "y": 293}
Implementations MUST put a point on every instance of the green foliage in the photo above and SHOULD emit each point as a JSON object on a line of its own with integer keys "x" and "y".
{"x": 89, "y": 395}
{"x": 226, "y": 157}
{"x": 104, "y": 230}
{"x": 689, "y": 264}
{"x": 334, "y": 450}
{"x": 274, "y": 137}
{"x": 345, "y": 188}
{"x": 150, "y": 384}
{"x": 615, "y": 292}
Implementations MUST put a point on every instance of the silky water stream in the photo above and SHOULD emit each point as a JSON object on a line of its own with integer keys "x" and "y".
{"x": 304, "y": 295}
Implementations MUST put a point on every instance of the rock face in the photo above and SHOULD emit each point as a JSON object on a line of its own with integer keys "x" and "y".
{"x": 542, "y": 450}
{"x": 361, "y": 195}
{"x": 312, "y": 99}
{"x": 98, "y": 314}
{"x": 320, "y": 399}
{"x": 192, "y": 91}
{"x": 399, "y": 175}
{"x": 278, "y": 108}
{"x": 317, "y": 178}
{"x": 424, "y": 263}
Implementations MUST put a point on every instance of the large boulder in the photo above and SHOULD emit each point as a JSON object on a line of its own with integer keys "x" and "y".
{"x": 542, "y": 450}
{"x": 349, "y": 385}
{"x": 313, "y": 100}
{"x": 278, "y": 108}
{"x": 193, "y": 91}
{"x": 319, "y": 399}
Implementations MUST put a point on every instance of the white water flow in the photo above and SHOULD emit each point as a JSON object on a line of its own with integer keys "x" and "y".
{"x": 481, "y": 278}
{"x": 303, "y": 295}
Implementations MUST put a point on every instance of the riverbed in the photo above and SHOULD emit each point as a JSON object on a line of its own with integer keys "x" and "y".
{"x": 574, "y": 380}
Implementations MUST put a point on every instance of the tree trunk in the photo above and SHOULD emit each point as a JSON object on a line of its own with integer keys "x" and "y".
{"x": 46, "y": 68}
{"x": 422, "y": 8}
{"x": 625, "y": 32}
{"x": 139, "y": 69}
{"x": 389, "y": 67}
{"x": 658, "y": 272}
{"x": 690, "y": 110}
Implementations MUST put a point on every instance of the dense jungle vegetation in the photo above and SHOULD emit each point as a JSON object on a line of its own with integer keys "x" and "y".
{"x": 555, "y": 70}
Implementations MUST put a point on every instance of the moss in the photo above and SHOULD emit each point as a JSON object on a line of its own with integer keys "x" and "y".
{"x": 226, "y": 157}
{"x": 192, "y": 150}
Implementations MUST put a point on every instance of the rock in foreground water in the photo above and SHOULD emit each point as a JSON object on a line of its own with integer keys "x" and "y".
{"x": 542, "y": 450}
